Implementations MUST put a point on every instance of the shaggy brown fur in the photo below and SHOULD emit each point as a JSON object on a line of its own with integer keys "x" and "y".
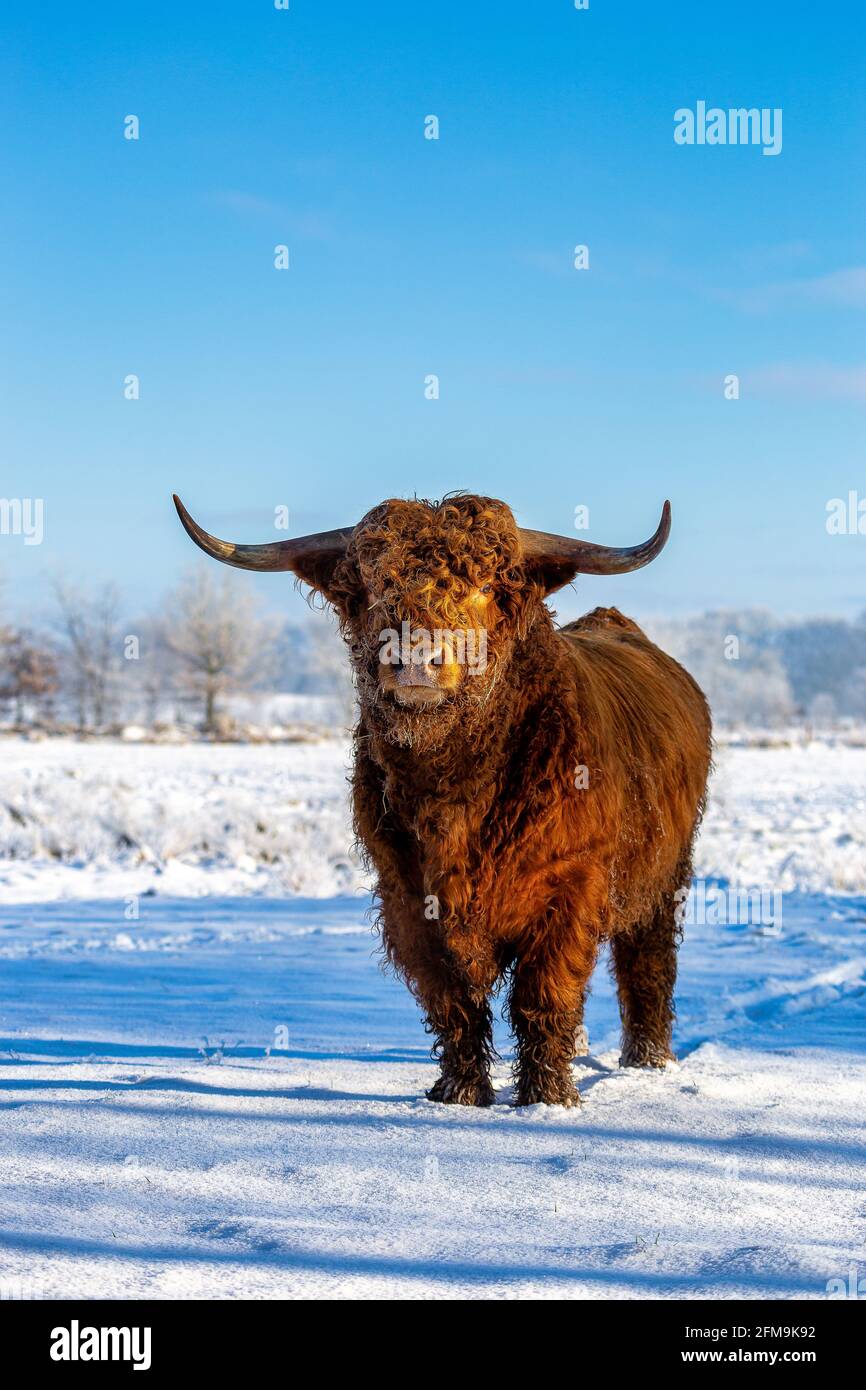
{"x": 518, "y": 817}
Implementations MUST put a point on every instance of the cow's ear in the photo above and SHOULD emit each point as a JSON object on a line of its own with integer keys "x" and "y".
{"x": 338, "y": 581}
{"x": 549, "y": 573}
{"x": 322, "y": 570}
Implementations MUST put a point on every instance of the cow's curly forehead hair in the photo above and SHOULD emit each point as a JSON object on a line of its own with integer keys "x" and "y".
{"x": 434, "y": 554}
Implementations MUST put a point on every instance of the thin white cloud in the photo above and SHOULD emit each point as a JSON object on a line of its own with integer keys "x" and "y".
{"x": 308, "y": 224}
{"x": 818, "y": 381}
{"x": 551, "y": 262}
{"x": 840, "y": 288}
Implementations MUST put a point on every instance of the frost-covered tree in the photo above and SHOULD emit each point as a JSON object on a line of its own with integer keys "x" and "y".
{"x": 28, "y": 672}
{"x": 731, "y": 655}
{"x": 89, "y": 627}
{"x": 214, "y": 629}
{"x": 820, "y": 656}
{"x": 853, "y": 695}
{"x": 822, "y": 711}
{"x": 148, "y": 669}
{"x": 330, "y": 667}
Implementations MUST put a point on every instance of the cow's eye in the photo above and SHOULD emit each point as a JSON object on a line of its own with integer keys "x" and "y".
{"x": 488, "y": 589}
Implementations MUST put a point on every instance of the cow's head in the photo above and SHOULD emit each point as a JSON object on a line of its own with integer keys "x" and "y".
{"x": 432, "y": 598}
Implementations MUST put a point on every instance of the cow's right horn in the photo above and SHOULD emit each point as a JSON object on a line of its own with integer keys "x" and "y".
{"x": 293, "y": 554}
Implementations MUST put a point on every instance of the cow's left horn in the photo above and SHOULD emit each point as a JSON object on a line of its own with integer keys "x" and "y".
{"x": 277, "y": 555}
{"x": 587, "y": 558}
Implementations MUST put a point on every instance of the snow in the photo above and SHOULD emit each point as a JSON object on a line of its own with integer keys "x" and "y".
{"x": 93, "y": 820}
{"x": 87, "y": 820}
{"x": 793, "y": 818}
{"x": 208, "y": 1088}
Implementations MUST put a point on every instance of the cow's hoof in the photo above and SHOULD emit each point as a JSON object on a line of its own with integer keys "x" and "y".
{"x": 462, "y": 1090}
{"x": 547, "y": 1091}
{"x": 642, "y": 1053}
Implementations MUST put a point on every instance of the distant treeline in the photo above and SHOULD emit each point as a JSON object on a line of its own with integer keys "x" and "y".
{"x": 760, "y": 670}
{"x": 88, "y": 668}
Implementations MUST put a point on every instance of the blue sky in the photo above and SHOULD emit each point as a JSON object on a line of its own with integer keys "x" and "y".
{"x": 409, "y": 257}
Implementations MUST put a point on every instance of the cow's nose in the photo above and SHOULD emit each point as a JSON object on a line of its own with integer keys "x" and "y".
{"x": 416, "y": 672}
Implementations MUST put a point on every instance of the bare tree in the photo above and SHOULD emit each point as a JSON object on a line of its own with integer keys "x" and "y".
{"x": 6, "y": 633}
{"x": 854, "y": 694}
{"x": 216, "y": 633}
{"x": 330, "y": 668}
{"x": 90, "y": 628}
{"x": 148, "y": 669}
{"x": 7, "y": 637}
{"x": 28, "y": 672}
{"x": 731, "y": 655}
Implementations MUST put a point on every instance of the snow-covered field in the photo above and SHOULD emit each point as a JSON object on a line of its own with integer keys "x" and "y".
{"x": 208, "y": 1088}
{"x": 94, "y": 820}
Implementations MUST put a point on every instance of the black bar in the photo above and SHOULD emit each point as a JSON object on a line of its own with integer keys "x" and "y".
{"x": 201, "y": 1336}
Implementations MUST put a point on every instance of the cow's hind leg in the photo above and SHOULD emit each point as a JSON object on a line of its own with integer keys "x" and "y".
{"x": 645, "y": 967}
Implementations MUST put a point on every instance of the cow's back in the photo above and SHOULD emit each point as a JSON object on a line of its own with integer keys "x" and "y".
{"x": 645, "y": 737}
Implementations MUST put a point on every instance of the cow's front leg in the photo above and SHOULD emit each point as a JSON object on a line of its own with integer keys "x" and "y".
{"x": 451, "y": 980}
{"x": 546, "y": 1010}
{"x": 463, "y": 1026}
